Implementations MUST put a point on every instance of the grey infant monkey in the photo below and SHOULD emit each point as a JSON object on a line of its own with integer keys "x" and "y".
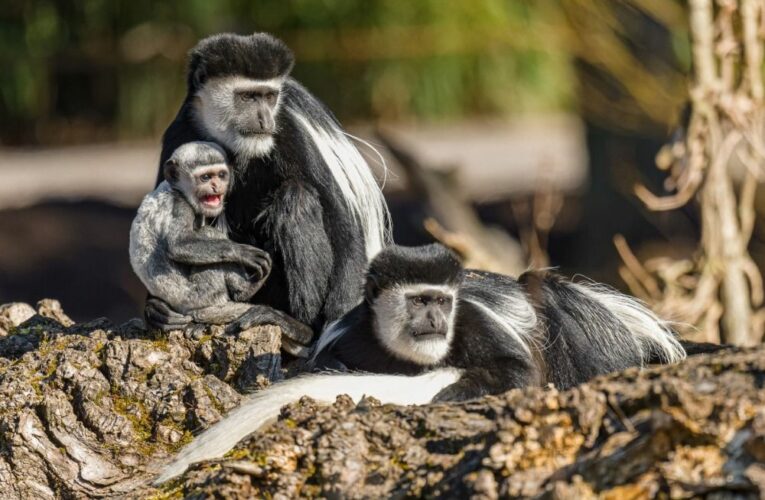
{"x": 179, "y": 245}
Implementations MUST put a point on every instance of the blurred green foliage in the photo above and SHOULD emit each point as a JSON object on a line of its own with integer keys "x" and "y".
{"x": 100, "y": 70}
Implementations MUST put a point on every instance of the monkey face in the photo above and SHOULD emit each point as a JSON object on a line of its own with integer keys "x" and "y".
{"x": 210, "y": 185}
{"x": 428, "y": 313}
{"x": 416, "y": 322}
{"x": 241, "y": 112}
{"x": 199, "y": 171}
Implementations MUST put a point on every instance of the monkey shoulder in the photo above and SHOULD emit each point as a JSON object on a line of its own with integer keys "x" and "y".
{"x": 156, "y": 213}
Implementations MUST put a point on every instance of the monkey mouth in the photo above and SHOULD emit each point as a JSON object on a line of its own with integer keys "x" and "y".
{"x": 212, "y": 200}
{"x": 249, "y": 132}
{"x": 430, "y": 334}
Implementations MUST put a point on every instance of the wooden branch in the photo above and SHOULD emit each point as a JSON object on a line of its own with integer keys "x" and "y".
{"x": 703, "y": 42}
{"x": 496, "y": 249}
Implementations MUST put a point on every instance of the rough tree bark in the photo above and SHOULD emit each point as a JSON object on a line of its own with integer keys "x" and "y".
{"x": 84, "y": 409}
{"x": 688, "y": 430}
{"x": 91, "y": 410}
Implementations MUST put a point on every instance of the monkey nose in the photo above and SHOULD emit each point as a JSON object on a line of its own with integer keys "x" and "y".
{"x": 434, "y": 323}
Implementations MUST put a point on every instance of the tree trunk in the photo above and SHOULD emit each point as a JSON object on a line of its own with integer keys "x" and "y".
{"x": 85, "y": 408}
{"x": 92, "y": 410}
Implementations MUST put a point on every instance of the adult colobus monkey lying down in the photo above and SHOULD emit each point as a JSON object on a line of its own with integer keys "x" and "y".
{"x": 433, "y": 331}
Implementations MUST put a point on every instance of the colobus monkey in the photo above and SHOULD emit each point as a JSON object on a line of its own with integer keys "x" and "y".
{"x": 180, "y": 250}
{"x": 434, "y": 331}
{"x": 422, "y": 310}
{"x": 302, "y": 189}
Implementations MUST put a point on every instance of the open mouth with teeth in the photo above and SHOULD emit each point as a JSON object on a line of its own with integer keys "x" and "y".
{"x": 212, "y": 200}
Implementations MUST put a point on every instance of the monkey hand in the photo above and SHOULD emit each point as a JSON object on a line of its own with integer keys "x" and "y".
{"x": 472, "y": 384}
{"x": 296, "y": 336}
{"x": 256, "y": 260}
{"x": 159, "y": 315}
{"x": 453, "y": 392}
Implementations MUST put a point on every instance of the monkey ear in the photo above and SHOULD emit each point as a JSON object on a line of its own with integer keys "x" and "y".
{"x": 370, "y": 287}
{"x": 171, "y": 170}
{"x": 198, "y": 75}
{"x": 197, "y": 72}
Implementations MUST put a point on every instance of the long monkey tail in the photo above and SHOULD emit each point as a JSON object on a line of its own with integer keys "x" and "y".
{"x": 609, "y": 318}
{"x": 657, "y": 341}
{"x": 265, "y": 406}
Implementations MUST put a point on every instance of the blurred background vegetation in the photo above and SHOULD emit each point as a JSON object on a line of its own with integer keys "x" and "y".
{"x": 113, "y": 72}
{"x": 103, "y": 70}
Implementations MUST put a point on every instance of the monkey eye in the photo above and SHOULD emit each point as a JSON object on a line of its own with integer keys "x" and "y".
{"x": 205, "y": 177}
{"x": 441, "y": 301}
{"x": 417, "y": 300}
{"x": 223, "y": 175}
{"x": 271, "y": 96}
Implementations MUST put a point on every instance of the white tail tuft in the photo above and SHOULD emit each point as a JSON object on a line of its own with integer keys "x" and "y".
{"x": 653, "y": 334}
{"x": 265, "y": 406}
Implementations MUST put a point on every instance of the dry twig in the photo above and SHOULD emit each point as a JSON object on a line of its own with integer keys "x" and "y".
{"x": 725, "y": 123}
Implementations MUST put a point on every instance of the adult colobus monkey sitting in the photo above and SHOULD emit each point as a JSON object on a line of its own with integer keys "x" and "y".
{"x": 431, "y": 330}
{"x": 301, "y": 189}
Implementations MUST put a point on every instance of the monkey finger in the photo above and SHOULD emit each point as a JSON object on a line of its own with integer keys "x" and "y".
{"x": 297, "y": 350}
{"x": 254, "y": 263}
{"x": 262, "y": 271}
{"x": 444, "y": 395}
{"x": 302, "y": 334}
{"x": 161, "y": 322}
{"x": 162, "y": 307}
{"x": 455, "y": 392}
{"x": 265, "y": 270}
{"x": 261, "y": 256}
{"x": 268, "y": 259}
{"x": 297, "y": 332}
{"x": 160, "y": 315}
{"x": 257, "y": 270}
{"x": 244, "y": 322}
{"x": 265, "y": 259}
{"x": 195, "y": 331}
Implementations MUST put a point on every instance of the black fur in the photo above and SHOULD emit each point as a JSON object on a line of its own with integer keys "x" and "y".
{"x": 431, "y": 264}
{"x": 359, "y": 349}
{"x": 288, "y": 202}
{"x": 575, "y": 337}
{"x": 575, "y": 347}
{"x": 490, "y": 362}
{"x": 258, "y": 56}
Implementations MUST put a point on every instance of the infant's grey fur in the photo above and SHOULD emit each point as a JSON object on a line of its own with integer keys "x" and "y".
{"x": 184, "y": 258}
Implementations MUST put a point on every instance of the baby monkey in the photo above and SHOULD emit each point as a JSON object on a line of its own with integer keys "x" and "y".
{"x": 179, "y": 245}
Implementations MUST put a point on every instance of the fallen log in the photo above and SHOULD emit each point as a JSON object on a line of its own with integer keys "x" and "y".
{"x": 92, "y": 409}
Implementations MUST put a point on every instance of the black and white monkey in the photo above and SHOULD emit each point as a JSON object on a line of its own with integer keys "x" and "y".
{"x": 302, "y": 189}
{"x": 422, "y": 311}
{"x": 433, "y": 331}
{"x": 179, "y": 245}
